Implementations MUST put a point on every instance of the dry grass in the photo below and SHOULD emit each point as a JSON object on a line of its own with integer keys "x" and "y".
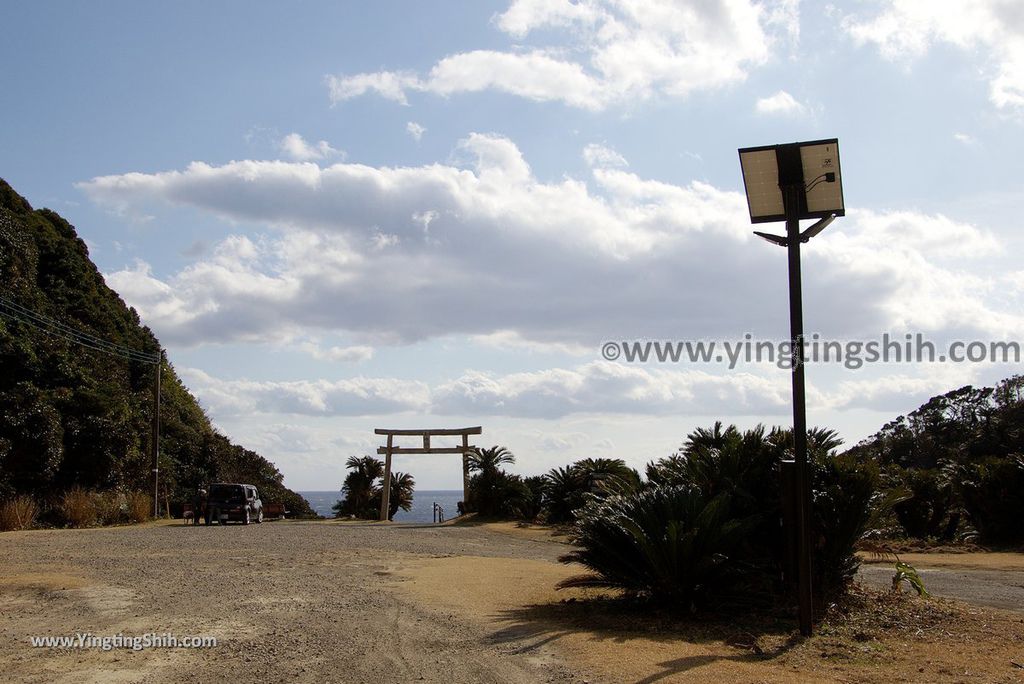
{"x": 18, "y": 513}
{"x": 140, "y": 505}
{"x": 78, "y": 507}
{"x": 83, "y": 508}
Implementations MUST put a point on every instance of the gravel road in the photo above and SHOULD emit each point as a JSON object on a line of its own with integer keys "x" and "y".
{"x": 992, "y": 588}
{"x": 288, "y": 601}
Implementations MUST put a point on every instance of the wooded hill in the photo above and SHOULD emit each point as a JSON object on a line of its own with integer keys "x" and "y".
{"x": 959, "y": 459}
{"x": 72, "y": 414}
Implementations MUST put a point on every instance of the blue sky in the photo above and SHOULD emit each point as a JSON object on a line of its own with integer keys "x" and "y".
{"x": 341, "y": 216}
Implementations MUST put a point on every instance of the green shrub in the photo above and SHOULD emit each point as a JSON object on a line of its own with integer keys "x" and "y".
{"x": 671, "y": 543}
{"x": 497, "y": 494}
{"x": 533, "y": 501}
{"x": 843, "y": 489}
{"x": 109, "y": 507}
{"x": 492, "y": 491}
{"x": 563, "y": 494}
{"x": 932, "y": 510}
{"x": 568, "y": 489}
{"x": 18, "y": 513}
{"x": 993, "y": 494}
{"x": 711, "y": 523}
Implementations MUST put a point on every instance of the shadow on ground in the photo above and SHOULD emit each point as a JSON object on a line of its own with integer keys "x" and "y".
{"x": 734, "y": 637}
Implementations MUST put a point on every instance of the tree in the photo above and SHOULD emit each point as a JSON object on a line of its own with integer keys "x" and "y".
{"x": 362, "y": 492}
{"x": 490, "y": 460}
{"x": 488, "y": 486}
{"x": 359, "y": 488}
{"x": 954, "y": 457}
{"x": 402, "y": 485}
{"x": 72, "y": 415}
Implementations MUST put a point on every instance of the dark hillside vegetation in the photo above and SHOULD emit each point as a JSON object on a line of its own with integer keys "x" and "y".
{"x": 958, "y": 460}
{"x": 72, "y": 416}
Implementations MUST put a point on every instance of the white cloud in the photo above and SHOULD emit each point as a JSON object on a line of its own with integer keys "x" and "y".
{"x": 601, "y": 155}
{"x": 906, "y": 29}
{"x": 415, "y": 130}
{"x": 598, "y": 388}
{"x": 632, "y": 51}
{"x": 350, "y": 397}
{"x": 965, "y": 138}
{"x": 488, "y": 251}
{"x": 513, "y": 340}
{"x": 591, "y": 389}
{"x": 388, "y": 84}
{"x": 604, "y": 387}
{"x": 779, "y": 103}
{"x": 350, "y": 354}
{"x": 296, "y": 147}
{"x": 563, "y": 442}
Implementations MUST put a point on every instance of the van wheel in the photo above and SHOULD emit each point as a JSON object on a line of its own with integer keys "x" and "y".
{"x": 245, "y": 521}
{"x": 259, "y": 517}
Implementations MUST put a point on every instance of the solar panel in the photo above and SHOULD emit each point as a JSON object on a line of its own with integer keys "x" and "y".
{"x": 820, "y": 180}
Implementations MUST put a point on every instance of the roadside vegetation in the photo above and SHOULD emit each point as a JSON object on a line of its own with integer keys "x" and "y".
{"x": 701, "y": 527}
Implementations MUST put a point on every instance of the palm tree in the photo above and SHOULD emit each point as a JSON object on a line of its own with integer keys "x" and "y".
{"x": 402, "y": 485}
{"x": 490, "y": 460}
{"x": 358, "y": 490}
{"x": 489, "y": 487}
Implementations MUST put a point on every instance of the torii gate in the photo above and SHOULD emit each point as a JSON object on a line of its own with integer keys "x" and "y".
{"x": 385, "y": 499}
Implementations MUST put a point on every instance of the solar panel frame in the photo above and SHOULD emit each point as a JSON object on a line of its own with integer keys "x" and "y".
{"x": 765, "y": 204}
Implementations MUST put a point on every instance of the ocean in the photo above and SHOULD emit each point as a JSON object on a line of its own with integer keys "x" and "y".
{"x": 422, "y": 504}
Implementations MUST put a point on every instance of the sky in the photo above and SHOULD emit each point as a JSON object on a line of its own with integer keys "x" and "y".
{"x": 344, "y": 216}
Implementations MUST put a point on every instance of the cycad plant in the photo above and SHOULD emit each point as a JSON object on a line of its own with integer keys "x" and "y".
{"x": 668, "y": 542}
{"x": 567, "y": 489}
{"x": 563, "y": 494}
{"x": 708, "y": 520}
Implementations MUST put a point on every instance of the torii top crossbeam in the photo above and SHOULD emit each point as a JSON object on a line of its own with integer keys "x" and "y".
{"x": 390, "y": 449}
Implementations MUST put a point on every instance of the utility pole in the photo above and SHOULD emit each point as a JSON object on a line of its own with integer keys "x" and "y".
{"x": 156, "y": 436}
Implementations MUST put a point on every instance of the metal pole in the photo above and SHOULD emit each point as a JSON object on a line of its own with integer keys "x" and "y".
{"x": 156, "y": 436}
{"x": 796, "y": 333}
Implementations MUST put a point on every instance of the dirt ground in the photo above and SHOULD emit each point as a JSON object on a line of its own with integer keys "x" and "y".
{"x": 363, "y": 602}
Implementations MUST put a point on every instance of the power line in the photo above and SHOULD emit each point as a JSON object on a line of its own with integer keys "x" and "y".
{"x": 29, "y": 317}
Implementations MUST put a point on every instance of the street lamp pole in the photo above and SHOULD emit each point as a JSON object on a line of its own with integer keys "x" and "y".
{"x": 788, "y": 183}
{"x": 796, "y": 334}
